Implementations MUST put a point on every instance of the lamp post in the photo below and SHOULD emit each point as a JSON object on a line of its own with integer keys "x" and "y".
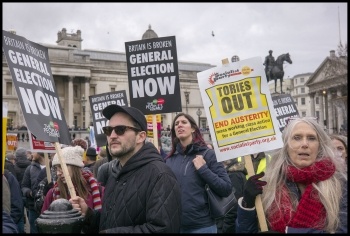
{"x": 199, "y": 113}
{"x": 187, "y": 94}
{"x": 83, "y": 101}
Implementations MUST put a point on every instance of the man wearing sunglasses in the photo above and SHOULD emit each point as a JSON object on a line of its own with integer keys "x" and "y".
{"x": 141, "y": 193}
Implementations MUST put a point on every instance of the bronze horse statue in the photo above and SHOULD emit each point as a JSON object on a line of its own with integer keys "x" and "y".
{"x": 277, "y": 70}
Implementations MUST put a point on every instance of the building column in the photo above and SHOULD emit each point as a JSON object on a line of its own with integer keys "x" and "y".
{"x": 321, "y": 118}
{"x": 340, "y": 112}
{"x": 87, "y": 104}
{"x": 70, "y": 121}
{"x": 330, "y": 124}
{"x": 312, "y": 101}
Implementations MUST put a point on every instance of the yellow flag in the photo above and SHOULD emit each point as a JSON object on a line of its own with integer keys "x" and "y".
{"x": 4, "y": 132}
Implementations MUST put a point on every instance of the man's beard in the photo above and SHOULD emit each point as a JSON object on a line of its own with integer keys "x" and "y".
{"x": 124, "y": 152}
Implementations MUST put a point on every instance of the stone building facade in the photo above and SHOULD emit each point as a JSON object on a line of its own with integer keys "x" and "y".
{"x": 79, "y": 73}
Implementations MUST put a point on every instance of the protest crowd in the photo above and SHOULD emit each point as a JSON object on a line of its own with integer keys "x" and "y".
{"x": 120, "y": 179}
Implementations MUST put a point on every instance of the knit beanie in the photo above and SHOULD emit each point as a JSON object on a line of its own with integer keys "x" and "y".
{"x": 80, "y": 142}
{"x": 72, "y": 155}
{"x": 21, "y": 153}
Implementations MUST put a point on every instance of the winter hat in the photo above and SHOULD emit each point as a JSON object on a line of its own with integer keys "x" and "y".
{"x": 135, "y": 114}
{"x": 21, "y": 153}
{"x": 72, "y": 155}
{"x": 91, "y": 151}
{"x": 80, "y": 142}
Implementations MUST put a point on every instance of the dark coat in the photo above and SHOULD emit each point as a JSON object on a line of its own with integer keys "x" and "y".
{"x": 8, "y": 226}
{"x": 11, "y": 167}
{"x": 17, "y": 207}
{"x": 28, "y": 183}
{"x": 20, "y": 167}
{"x": 195, "y": 210}
{"x": 237, "y": 174}
{"x": 142, "y": 197}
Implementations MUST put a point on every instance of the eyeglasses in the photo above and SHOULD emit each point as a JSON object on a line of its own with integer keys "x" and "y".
{"x": 119, "y": 129}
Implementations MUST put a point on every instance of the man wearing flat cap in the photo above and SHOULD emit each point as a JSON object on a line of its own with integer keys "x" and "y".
{"x": 142, "y": 194}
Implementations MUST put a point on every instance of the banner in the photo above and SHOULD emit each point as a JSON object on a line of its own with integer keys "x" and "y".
{"x": 92, "y": 137}
{"x": 11, "y": 140}
{"x": 97, "y": 103}
{"x": 29, "y": 66}
{"x": 239, "y": 109}
{"x": 39, "y": 145}
{"x": 285, "y": 108}
{"x": 153, "y": 75}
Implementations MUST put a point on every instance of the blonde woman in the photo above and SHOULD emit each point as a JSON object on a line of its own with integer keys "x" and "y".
{"x": 305, "y": 186}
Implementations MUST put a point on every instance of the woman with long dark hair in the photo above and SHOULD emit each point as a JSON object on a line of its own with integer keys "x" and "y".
{"x": 193, "y": 171}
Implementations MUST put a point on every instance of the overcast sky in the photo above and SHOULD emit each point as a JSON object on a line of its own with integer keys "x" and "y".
{"x": 308, "y": 31}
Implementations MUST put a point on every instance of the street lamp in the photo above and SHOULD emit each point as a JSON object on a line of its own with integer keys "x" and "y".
{"x": 83, "y": 101}
{"x": 199, "y": 113}
{"x": 187, "y": 94}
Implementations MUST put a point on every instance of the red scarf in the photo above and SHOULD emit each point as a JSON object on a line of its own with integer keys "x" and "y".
{"x": 310, "y": 212}
{"x": 95, "y": 192}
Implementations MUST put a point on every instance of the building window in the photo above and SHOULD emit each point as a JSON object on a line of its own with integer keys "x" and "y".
{"x": 317, "y": 114}
{"x": 296, "y": 101}
{"x": 296, "y": 81}
{"x": 92, "y": 90}
{"x": 303, "y": 114}
{"x": 75, "y": 91}
{"x": 8, "y": 88}
{"x": 112, "y": 89}
{"x": 317, "y": 101}
{"x": 75, "y": 122}
{"x": 301, "y": 80}
{"x": 302, "y": 101}
{"x": 302, "y": 90}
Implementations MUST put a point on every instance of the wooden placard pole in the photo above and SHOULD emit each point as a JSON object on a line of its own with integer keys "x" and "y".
{"x": 47, "y": 164}
{"x": 250, "y": 169}
{"x": 65, "y": 170}
{"x": 258, "y": 203}
{"x": 155, "y": 131}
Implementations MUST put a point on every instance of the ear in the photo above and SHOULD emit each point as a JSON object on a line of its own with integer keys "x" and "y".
{"x": 141, "y": 137}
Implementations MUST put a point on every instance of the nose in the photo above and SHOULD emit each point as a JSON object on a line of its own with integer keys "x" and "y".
{"x": 113, "y": 134}
{"x": 304, "y": 142}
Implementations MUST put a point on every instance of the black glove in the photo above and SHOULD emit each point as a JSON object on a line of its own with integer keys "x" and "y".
{"x": 252, "y": 188}
{"x": 47, "y": 188}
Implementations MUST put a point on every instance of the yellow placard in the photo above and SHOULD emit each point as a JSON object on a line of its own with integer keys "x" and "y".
{"x": 11, "y": 141}
{"x": 149, "y": 118}
{"x": 4, "y": 131}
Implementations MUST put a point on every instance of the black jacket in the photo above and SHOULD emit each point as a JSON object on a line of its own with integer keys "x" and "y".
{"x": 17, "y": 207}
{"x": 142, "y": 197}
{"x": 20, "y": 167}
{"x": 195, "y": 208}
{"x": 29, "y": 179}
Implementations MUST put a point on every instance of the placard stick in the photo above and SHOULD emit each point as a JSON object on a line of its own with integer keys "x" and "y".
{"x": 250, "y": 169}
{"x": 155, "y": 131}
{"x": 47, "y": 164}
{"x": 258, "y": 203}
{"x": 65, "y": 170}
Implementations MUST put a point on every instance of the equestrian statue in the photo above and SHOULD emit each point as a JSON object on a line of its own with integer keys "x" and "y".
{"x": 274, "y": 69}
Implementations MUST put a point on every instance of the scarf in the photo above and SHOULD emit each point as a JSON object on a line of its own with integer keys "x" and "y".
{"x": 95, "y": 191}
{"x": 310, "y": 212}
